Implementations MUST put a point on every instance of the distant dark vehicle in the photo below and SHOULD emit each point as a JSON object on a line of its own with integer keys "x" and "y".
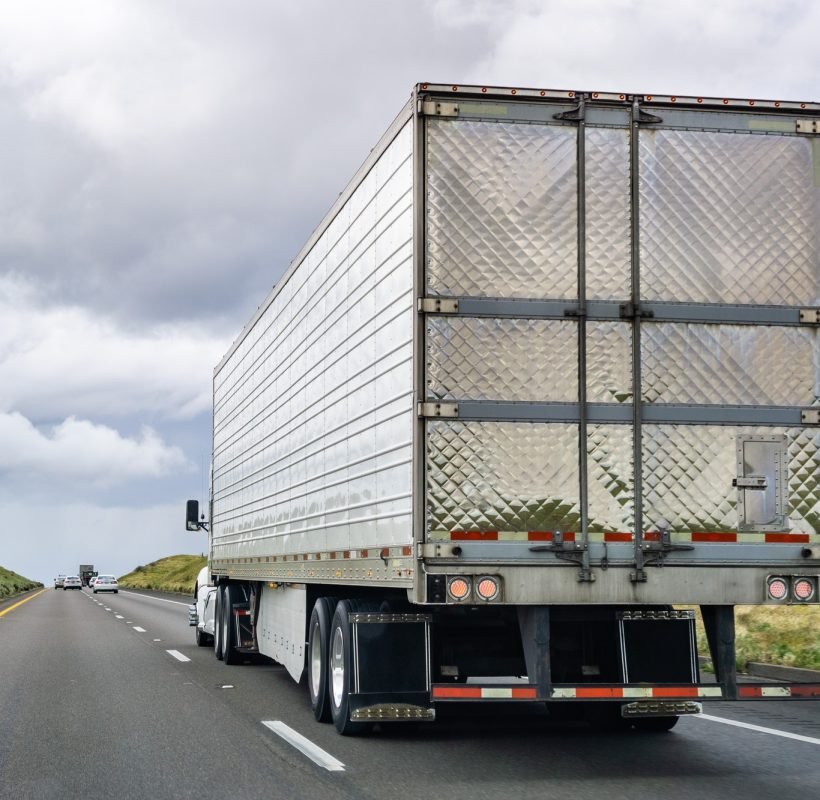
{"x": 86, "y": 572}
{"x": 72, "y": 582}
{"x": 106, "y": 583}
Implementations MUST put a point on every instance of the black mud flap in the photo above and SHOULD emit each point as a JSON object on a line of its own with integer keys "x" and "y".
{"x": 658, "y": 647}
{"x": 391, "y": 667}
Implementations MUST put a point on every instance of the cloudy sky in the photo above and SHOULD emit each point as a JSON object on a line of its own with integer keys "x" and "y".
{"x": 162, "y": 162}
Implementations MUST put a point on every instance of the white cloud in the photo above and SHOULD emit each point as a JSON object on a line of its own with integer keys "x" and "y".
{"x": 81, "y": 453}
{"x": 60, "y": 537}
{"x": 59, "y": 360}
{"x": 125, "y": 74}
{"x": 737, "y": 48}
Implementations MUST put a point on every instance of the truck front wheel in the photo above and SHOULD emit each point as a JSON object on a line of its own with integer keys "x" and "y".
{"x": 229, "y": 652}
{"x": 318, "y": 647}
{"x": 218, "y": 624}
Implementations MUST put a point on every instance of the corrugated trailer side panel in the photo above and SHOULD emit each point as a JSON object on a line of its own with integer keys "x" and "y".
{"x": 313, "y": 408}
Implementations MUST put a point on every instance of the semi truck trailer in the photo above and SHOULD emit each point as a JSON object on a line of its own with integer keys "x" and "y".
{"x": 538, "y": 397}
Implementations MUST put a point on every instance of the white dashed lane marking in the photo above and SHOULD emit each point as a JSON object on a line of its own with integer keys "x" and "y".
{"x": 176, "y": 654}
{"x": 305, "y": 746}
{"x": 138, "y": 629}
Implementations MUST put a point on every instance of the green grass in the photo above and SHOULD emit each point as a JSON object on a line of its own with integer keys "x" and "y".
{"x": 11, "y": 583}
{"x": 785, "y": 635}
{"x": 172, "y": 574}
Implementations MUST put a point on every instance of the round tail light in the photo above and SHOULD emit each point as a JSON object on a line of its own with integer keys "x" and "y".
{"x": 778, "y": 588}
{"x": 804, "y": 589}
{"x": 487, "y": 588}
{"x": 458, "y": 588}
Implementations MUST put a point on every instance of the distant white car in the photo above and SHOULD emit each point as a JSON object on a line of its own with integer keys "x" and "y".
{"x": 58, "y": 581}
{"x": 72, "y": 582}
{"x": 201, "y": 612}
{"x": 91, "y": 581}
{"x": 106, "y": 583}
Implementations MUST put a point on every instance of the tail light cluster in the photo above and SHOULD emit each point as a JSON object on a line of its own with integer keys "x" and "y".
{"x": 792, "y": 589}
{"x": 468, "y": 589}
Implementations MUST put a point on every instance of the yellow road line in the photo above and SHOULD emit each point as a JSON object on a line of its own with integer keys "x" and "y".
{"x": 24, "y": 600}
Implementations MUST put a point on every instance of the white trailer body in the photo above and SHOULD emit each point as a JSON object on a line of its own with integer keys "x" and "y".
{"x": 550, "y": 363}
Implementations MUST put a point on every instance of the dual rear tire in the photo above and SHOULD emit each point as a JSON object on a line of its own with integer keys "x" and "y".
{"x": 330, "y": 662}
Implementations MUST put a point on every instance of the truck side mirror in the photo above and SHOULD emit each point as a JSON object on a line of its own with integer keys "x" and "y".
{"x": 192, "y": 515}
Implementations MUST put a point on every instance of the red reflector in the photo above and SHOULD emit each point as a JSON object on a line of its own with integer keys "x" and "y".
{"x": 524, "y": 694}
{"x": 786, "y": 538}
{"x": 469, "y": 692}
{"x": 812, "y": 690}
{"x": 675, "y": 691}
{"x": 485, "y": 536}
{"x": 706, "y": 536}
{"x": 617, "y": 537}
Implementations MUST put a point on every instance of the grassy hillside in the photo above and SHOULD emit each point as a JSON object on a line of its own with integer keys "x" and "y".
{"x": 11, "y": 583}
{"x": 172, "y": 574}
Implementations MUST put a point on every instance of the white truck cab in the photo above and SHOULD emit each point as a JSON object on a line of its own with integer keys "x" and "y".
{"x": 201, "y": 612}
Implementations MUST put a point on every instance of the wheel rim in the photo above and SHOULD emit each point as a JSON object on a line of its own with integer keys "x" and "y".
{"x": 337, "y": 666}
{"x": 315, "y": 660}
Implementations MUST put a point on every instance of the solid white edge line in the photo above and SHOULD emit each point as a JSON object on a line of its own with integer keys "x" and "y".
{"x": 305, "y": 746}
{"x": 757, "y": 728}
{"x": 177, "y": 655}
{"x": 161, "y": 599}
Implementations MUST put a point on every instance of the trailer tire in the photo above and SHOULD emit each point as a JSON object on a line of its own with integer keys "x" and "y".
{"x": 655, "y": 724}
{"x": 218, "y": 624}
{"x": 318, "y": 649}
{"x": 229, "y": 652}
{"x": 340, "y": 667}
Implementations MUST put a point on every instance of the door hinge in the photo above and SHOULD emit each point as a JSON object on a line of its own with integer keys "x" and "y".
{"x": 438, "y": 305}
{"x": 435, "y": 108}
{"x": 810, "y": 316}
{"x": 810, "y": 416}
{"x": 630, "y": 311}
{"x": 438, "y": 410}
{"x": 808, "y": 126}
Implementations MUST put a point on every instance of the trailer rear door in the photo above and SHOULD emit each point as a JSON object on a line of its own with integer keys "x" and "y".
{"x": 621, "y": 331}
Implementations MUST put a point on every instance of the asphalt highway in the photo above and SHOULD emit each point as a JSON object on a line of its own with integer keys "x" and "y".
{"x": 108, "y": 696}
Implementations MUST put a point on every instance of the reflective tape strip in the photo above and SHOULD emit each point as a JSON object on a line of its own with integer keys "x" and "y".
{"x": 614, "y": 537}
{"x": 794, "y": 690}
{"x": 633, "y": 692}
